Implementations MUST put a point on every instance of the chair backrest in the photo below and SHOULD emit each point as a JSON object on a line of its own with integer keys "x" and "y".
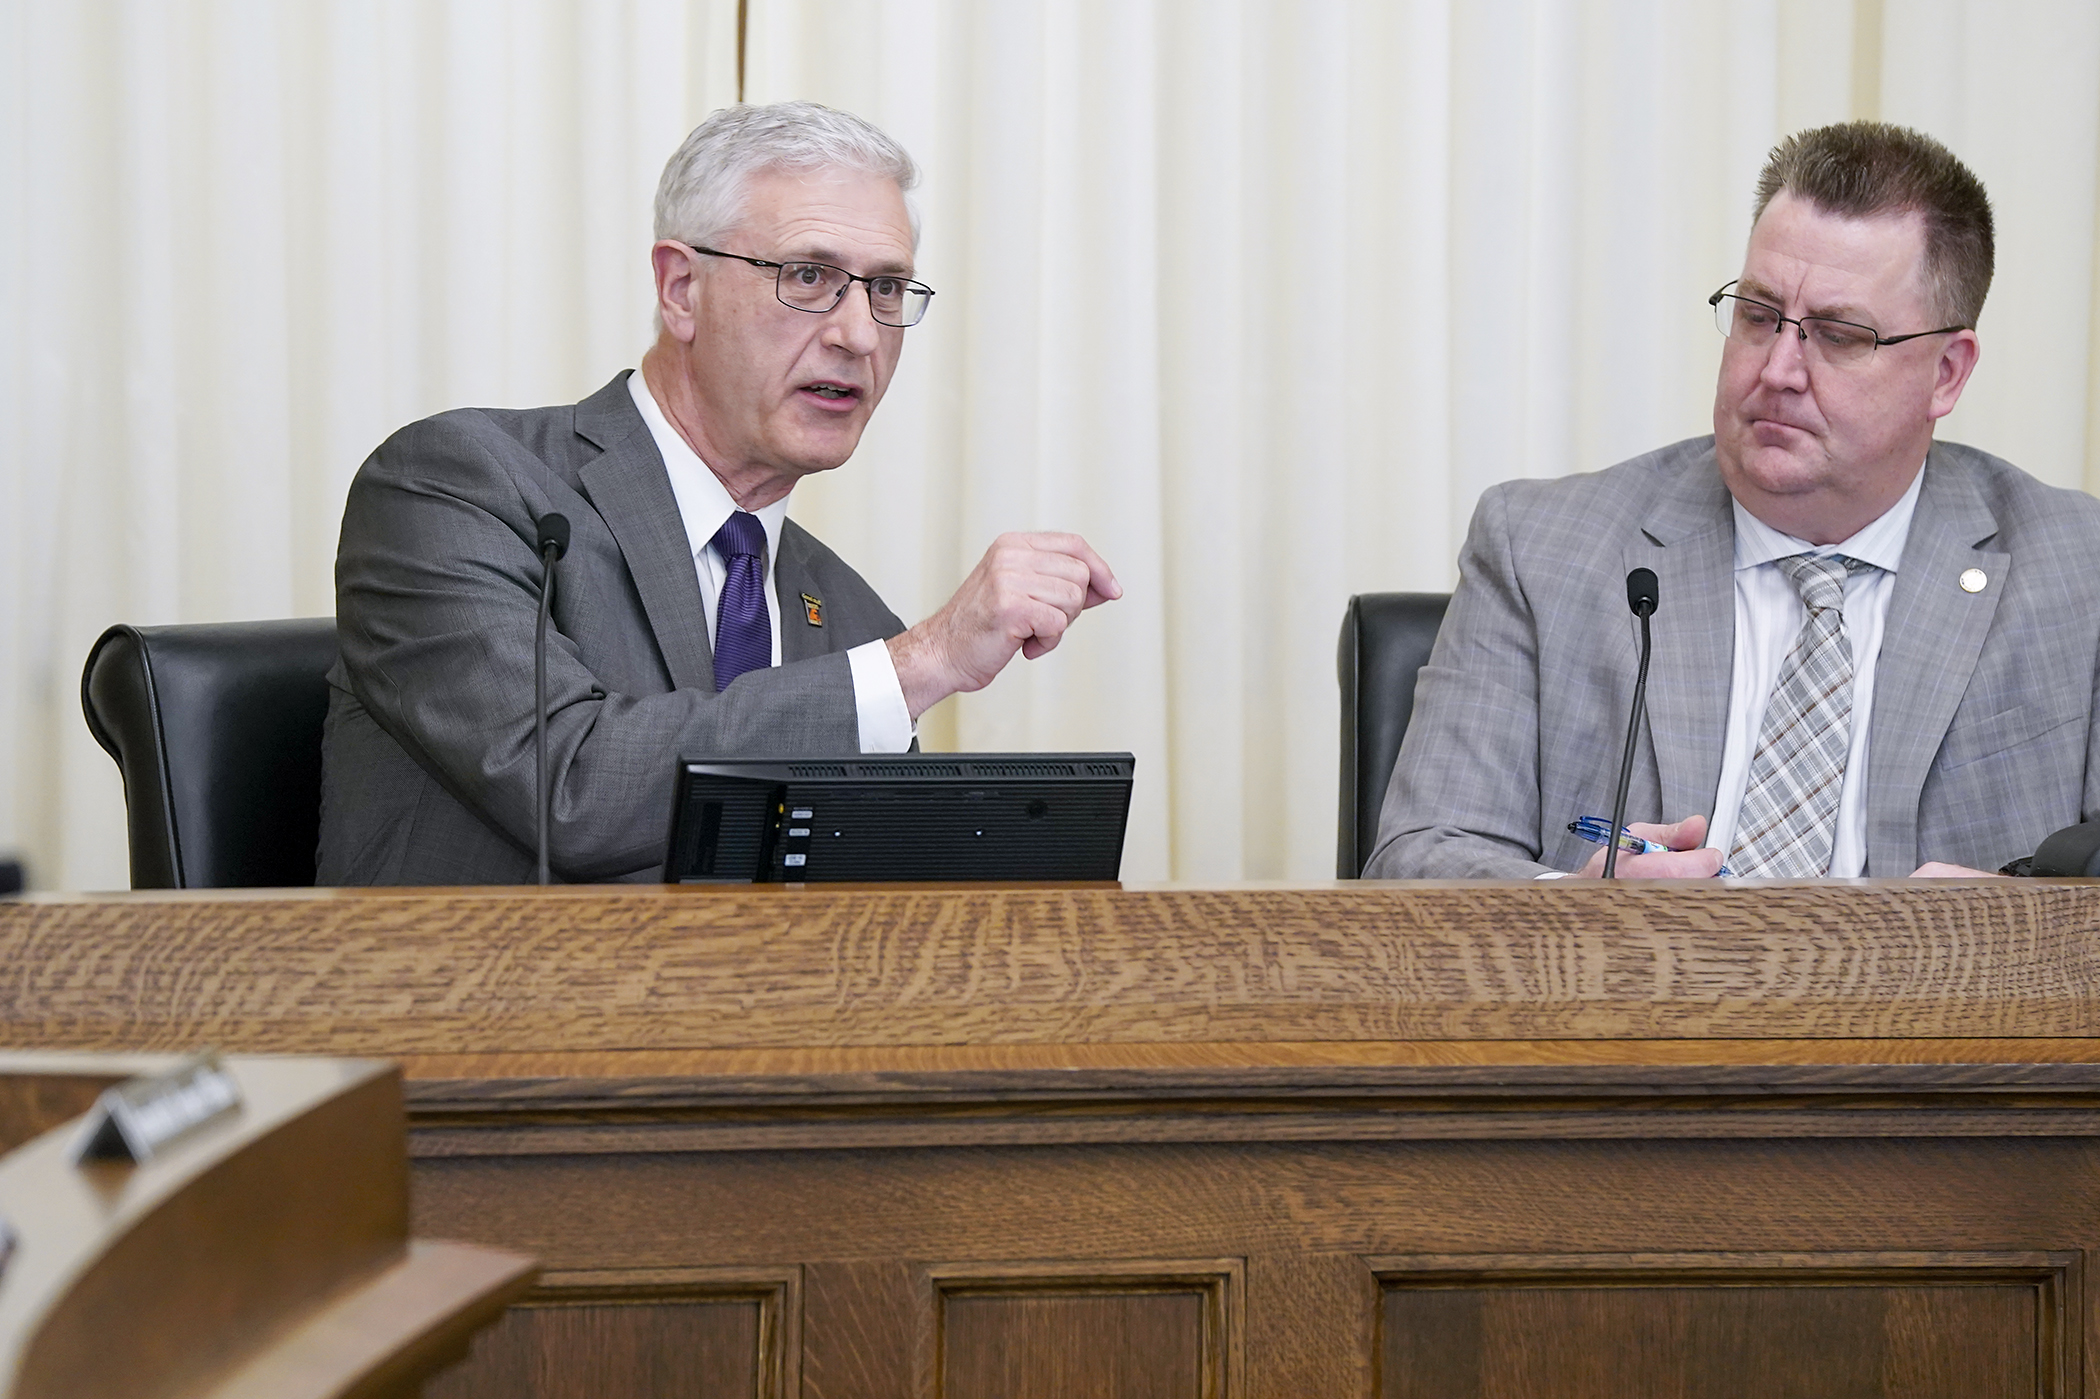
{"x": 1385, "y": 640}
{"x": 217, "y": 730}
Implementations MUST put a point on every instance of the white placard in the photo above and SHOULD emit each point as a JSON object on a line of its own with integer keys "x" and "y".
{"x": 140, "y": 1117}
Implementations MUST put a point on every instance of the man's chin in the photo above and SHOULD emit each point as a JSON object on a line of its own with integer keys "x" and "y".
{"x": 1771, "y": 470}
{"x": 808, "y": 456}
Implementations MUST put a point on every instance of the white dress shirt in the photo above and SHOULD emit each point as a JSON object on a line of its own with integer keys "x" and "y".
{"x": 703, "y": 504}
{"x": 1768, "y": 618}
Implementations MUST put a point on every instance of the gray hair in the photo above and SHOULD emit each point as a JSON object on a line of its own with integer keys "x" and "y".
{"x": 702, "y": 194}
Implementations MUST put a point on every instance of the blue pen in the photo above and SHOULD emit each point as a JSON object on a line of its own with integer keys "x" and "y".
{"x": 1596, "y": 830}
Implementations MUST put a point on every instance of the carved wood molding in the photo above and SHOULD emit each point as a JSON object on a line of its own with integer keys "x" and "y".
{"x": 1247, "y": 1104}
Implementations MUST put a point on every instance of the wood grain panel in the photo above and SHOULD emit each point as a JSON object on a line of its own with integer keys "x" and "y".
{"x": 1121, "y": 1328}
{"x": 427, "y": 972}
{"x": 1816, "y": 1327}
{"x": 661, "y": 1333}
{"x": 1312, "y": 1324}
{"x": 1130, "y": 1345}
{"x": 690, "y": 1350}
{"x": 864, "y": 1324}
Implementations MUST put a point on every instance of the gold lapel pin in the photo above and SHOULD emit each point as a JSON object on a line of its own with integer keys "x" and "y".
{"x": 813, "y": 607}
{"x": 1974, "y": 580}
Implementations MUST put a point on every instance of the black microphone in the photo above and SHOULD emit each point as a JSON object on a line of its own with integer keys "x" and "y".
{"x": 554, "y": 542}
{"x": 1641, "y": 597}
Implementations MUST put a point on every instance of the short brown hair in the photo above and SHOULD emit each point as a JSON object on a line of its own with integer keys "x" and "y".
{"x": 1859, "y": 169}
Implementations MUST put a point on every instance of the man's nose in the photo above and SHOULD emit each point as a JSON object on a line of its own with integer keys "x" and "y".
{"x": 851, "y": 324}
{"x": 1786, "y": 359}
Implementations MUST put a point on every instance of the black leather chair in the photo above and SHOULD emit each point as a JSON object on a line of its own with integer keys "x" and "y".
{"x": 1385, "y": 640}
{"x": 217, "y": 730}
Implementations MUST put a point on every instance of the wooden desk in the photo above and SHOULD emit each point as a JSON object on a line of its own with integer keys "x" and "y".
{"x": 1413, "y": 1140}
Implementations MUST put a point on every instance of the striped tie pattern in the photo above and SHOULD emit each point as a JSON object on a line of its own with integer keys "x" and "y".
{"x": 1789, "y": 813}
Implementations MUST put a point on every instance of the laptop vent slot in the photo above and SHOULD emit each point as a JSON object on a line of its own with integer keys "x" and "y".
{"x": 909, "y": 770}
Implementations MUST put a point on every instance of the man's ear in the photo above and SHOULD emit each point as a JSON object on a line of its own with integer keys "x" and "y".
{"x": 1956, "y": 363}
{"x": 677, "y": 288}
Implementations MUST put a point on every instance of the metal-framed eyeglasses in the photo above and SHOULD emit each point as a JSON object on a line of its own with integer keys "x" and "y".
{"x": 817, "y": 287}
{"x": 1757, "y": 324}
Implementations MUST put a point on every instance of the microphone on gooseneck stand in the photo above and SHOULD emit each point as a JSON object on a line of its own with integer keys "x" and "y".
{"x": 1641, "y": 597}
{"x": 554, "y": 542}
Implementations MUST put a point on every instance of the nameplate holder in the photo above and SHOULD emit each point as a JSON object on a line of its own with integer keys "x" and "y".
{"x": 138, "y": 1119}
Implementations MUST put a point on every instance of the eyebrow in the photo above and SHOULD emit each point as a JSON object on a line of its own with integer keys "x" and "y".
{"x": 1758, "y": 291}
{"x": 834, "y": 259}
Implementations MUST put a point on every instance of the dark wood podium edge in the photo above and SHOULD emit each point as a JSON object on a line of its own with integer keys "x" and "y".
{"x": 383, "y": 1336}
{"x": 99, "y": 1232}
{"x": 412, "y": 1308}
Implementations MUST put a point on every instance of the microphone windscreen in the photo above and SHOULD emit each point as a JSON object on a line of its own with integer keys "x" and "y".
{"x": 1641, "y": 591}
{"x": 554, "y": 534}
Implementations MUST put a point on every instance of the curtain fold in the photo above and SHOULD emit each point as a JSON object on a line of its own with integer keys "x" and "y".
{"x": 1259, "y": 297}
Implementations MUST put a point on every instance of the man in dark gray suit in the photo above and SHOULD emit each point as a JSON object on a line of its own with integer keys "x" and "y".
{"x": 1874, "y": 654}
{"x": 690, "y": 616}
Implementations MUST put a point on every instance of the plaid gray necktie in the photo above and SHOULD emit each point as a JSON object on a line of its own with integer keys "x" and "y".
{"x": 1789, "y": 813}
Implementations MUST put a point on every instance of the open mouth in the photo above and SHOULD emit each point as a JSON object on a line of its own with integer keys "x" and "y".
{"x": 832, "y": 393}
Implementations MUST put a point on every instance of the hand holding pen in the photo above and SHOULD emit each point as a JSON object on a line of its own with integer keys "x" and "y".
{"x": 1653, "y": 851}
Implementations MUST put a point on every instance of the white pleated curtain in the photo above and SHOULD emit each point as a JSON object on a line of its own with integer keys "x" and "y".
{"x": 1257, "y": 296}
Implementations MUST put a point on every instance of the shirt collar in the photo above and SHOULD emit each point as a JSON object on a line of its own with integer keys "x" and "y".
{"x": 703, "y": 501}
{"x": 1879, "y": 544}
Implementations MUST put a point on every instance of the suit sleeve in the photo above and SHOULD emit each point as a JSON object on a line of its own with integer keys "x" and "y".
{"x": 437, "y": 595}
{"x": 2089, "y": 803}
{"x": 1464, "y": 797}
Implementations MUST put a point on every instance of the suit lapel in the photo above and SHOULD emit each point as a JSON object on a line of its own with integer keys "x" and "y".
{"x": 800, "y": 640}
{"x": 1689, "y": 540}
{"x": 628, "y": 485}
{"x": 1929, "y": 645}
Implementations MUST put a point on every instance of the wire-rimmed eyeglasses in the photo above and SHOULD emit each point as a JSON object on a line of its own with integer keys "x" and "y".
{"x": 817, "y": 287}
{"x": 1754, "y": 323}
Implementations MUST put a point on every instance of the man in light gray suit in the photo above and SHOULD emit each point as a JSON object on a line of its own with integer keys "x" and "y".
{"x": 1874, "y": 654}
{"x": 690, "y": 616}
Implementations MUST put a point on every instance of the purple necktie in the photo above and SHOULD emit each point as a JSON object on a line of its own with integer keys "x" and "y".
{"x": 743, "y": 627}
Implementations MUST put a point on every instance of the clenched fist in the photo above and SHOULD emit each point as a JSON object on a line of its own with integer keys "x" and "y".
{"x": 1021, "y": 596}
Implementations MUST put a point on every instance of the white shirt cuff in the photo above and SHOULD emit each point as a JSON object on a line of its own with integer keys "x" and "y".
{"x": 878, "y": 699}
{"x": 1554, "y": 874}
